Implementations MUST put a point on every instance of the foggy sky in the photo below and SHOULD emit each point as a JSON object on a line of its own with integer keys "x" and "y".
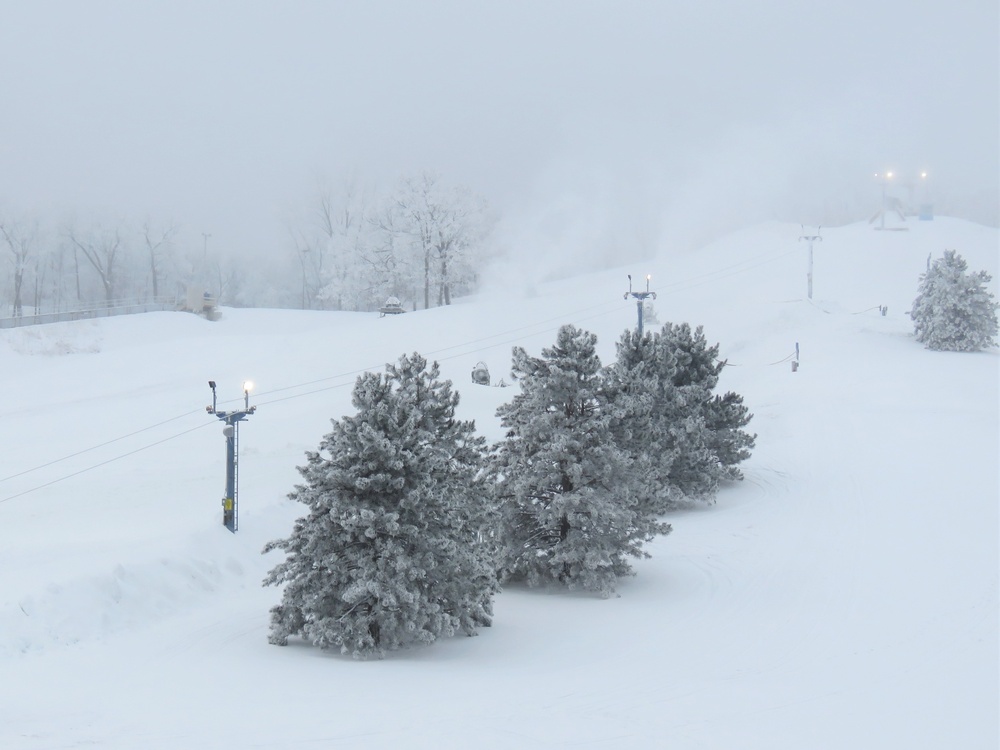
{"x": 595, "y": 128}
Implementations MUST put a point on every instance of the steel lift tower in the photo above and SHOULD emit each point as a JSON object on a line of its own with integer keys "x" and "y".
{"x": 810, "y": 238}
{"x": 231, "y": 431}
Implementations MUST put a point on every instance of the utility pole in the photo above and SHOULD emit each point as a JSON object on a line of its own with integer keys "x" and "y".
{"x": 811, "y": 238}
{"x": 232, "y": 419}
{"x": 640, "y": 298}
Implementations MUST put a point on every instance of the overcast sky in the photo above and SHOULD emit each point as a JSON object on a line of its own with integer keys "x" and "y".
{"x": 585, "y": 123}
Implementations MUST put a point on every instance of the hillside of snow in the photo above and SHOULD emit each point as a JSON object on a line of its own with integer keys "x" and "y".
{"x": 844, "y": 595}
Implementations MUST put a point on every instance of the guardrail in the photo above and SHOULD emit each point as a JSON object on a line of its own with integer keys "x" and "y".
{"x": 105, "y": 310}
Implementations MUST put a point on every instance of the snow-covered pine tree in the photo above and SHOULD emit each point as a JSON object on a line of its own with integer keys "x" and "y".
{"x": 954, "y": 311}
{"x": 690, "y": 438}
{"x": 697, "y": 374}
{"x": 635, "y": 394}
{"x": 725, "y": 417}
{"x": 391, "y": 552}
{"x": 570, "y": 504}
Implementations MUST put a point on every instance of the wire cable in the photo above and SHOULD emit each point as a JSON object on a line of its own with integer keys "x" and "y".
{"x": 102, "y": 463}
{"x": 95, "y": 447}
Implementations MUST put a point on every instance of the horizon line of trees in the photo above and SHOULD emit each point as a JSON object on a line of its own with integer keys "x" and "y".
{"x": 423, "y": 242}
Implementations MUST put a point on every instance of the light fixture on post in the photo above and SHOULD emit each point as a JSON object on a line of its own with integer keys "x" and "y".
{"x": 640, "y": 298}
{"x": 231, "y": 420}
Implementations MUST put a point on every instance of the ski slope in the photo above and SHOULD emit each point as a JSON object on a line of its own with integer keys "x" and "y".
{"x": 844, "y": 595}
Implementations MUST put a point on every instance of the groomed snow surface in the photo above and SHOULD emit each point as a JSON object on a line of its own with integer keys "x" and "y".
{"x": 845, "y": 595}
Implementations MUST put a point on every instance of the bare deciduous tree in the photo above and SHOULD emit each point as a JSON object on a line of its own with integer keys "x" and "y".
{"x": 158, "y": 241}
{"x": 101, "y": 248}
{"x": 332, "y": 245}
{"x": 20, "y": 237}
{"x": 230, "y": 278}
{"x": 346, "y": 257}
{"x": 443, "y": 223}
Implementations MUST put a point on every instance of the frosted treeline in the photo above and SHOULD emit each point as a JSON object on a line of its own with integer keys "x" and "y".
{"x": 422, "y": 241}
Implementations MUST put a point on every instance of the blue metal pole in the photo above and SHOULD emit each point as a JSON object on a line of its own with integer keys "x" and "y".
{"x": 229, "y": 501}
{"x": 231, "y": 419}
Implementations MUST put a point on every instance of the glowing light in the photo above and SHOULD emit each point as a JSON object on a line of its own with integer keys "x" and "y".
{"x": 247, "y": 386}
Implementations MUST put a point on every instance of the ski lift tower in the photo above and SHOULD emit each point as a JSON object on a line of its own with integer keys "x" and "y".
{"x": 640, "y": 298}
{"x": 810, "y": 238}
{"x": 231, "y": 431}
{"x": 889, "y": 202}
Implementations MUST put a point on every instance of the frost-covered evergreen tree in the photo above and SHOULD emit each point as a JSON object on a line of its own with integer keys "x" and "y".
{"x": 661, "y": 386}
{"x": 571, "y": 508}
{"x": 635, "y": 394}
{"x": 725, "y": 417}
{"x": 391, "y": 552}
{"x": 697, "y": 375}
{"x": 954, "y": 311}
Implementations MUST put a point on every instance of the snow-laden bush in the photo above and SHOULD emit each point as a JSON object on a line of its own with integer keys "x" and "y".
{"x": 392, "y": 550}
{"x": 569, "y": 498}
{"x": 954, "y": 311}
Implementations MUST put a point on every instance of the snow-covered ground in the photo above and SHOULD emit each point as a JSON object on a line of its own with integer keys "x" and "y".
{"x": 845, "y": 595}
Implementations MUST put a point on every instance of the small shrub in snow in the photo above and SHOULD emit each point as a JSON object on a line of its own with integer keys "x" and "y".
{"x": 571, "y": 508}
{"x": 953, "y": 310}
{"x": 391, "y": 552}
